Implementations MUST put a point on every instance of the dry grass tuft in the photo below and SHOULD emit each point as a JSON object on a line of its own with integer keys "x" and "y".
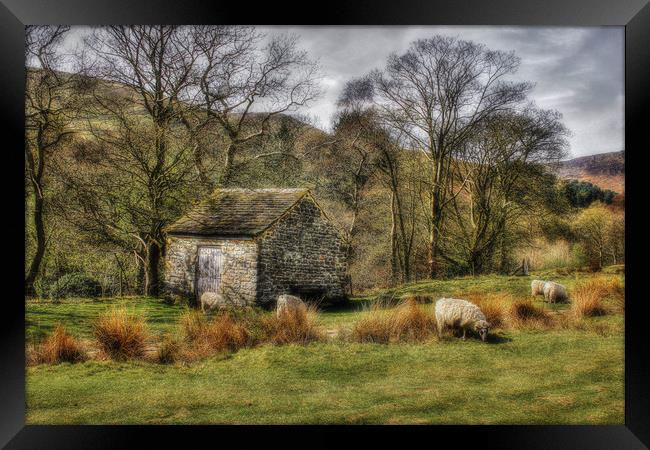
{"x": 226, "y": 333}
{"x": 525, "y": 314}
{"x": 587, "y": 299}
{"x": 614, "y": 290}
{"x": 121, "y": 335}
{"x": 223, "y": 332}
{"x": 193, "y": 324}
{"x": 495, "y": 307}
{"x": 169, "y": 351}
{"x": 408, "y": 322}
{"x": 372, "y": 327}
{"x": 293, "y": 326}
{"x": 56, "y": 348}
{"x": 411, "y": 322}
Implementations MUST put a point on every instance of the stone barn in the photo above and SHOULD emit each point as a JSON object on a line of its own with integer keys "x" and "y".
{"x": 251, "y": 245}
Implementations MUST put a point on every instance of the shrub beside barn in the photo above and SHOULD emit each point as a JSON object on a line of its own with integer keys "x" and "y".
{"x": 252, "y": 245}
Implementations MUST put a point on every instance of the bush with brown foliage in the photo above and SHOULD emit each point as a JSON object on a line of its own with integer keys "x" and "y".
{"x": 193, "y": 324}
{"x": 226, "y": 333}
{"x": 372, "y": 327}
{"x": 60, "y": 346}
{"x": 121, "y": 335}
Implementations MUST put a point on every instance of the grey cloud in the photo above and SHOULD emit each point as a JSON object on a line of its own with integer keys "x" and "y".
{"x": 578, "y": 71}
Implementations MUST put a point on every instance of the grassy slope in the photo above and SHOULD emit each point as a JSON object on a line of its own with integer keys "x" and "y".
{"x": 563, "y": 376}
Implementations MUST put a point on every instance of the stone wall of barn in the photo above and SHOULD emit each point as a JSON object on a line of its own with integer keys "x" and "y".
{"x": 302, "y": 254}
{"x": 238, "y": 274}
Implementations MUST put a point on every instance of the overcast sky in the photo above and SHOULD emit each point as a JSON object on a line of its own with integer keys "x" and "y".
{"x": 577, "y": 71}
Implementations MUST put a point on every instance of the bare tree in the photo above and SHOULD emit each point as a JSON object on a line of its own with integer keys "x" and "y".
{"x": 434, "y": 96}
{"x": 244, "y": 80}
{"x": 152, "y": 68}
{"x": 48, "y": 118}
{"x": 504, "y": 180}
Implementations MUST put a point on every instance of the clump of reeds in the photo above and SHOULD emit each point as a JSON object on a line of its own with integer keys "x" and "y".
{"x": 495, "y": 307}
{"x": 587, "y": 299}
{"x": 121, "y": 335}
{"x": 223, "y": 332}
{"x": 60, "y": 346}
{"x": 525, "y": 314}
{"x": 407, "y": 322}
{"x": 169, "y": 351}
{"x": 292, "y": 326}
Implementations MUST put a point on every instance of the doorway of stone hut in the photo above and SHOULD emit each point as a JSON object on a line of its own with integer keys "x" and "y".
{"x": 208, "y": 270}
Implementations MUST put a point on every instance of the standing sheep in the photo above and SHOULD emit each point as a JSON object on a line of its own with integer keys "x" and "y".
{"x": 554, "y": 292}
{"x": 537, "y": 287}
{"x": 456, "y": 313}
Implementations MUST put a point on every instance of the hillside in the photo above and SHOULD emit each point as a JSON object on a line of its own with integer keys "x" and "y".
{"x": 606, "y": 170}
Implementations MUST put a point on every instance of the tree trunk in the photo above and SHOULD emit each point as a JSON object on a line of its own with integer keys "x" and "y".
{"x": 228, "y": 173}
{"x": 140, "y": 258}
{"x": 152, "y": 287}
{"x": 40, "y": 245}
{"x": 433, "y": 236}
{"x": 393, "y": 241}
{"x": 36, "y": 170}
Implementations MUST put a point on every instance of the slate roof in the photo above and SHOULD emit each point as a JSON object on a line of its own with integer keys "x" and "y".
{"x": 237, "y": 212}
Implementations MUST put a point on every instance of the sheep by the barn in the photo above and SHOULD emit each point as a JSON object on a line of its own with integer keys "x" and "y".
{"x": 554, "y": 292}
{"x": 537, "y": 287}
{"x": 211, "y": 300}
{"x": 288, "y": 303}
{"x": 457, "y": 313}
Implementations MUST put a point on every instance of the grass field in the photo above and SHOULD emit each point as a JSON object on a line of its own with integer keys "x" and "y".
{"x": 522, "y": 376}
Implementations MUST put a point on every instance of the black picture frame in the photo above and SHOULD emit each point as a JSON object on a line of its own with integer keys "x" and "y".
{"x": 633, "y": 14}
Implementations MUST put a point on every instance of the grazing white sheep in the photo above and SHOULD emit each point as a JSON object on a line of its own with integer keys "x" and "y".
{"x": 537, "y": 287}
{"x": 457, "y": 313}
{"x": 554, "y": 292}
{"x": 288, "y": 303}
{"x": 211, "y": 300}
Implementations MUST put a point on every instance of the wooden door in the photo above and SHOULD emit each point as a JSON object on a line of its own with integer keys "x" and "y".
{"x": 208, "y": 274}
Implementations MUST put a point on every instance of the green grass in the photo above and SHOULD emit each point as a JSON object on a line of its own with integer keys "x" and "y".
{"x": 558, "y": 377}
{"x": 78, "y": 314}
{"x": 540, "y": 377}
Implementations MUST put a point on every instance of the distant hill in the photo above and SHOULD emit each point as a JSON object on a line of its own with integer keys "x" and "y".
{"x": 606, "y": 170}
